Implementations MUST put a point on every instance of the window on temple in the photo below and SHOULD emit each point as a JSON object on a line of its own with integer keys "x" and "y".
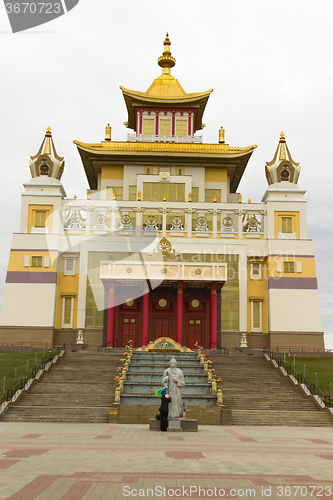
{"x": 148, "y": 126}
{"x": 69, "y": 266}
{"x": 155, "y": 191}
{"x": 165, "y": 127}
{"x": 40, "y": 218}
{"x": 114, "y": 193}
{"x": 179, "y": 170}
{"x": 256, "y": 310}
{"x": 181, "y": 127}
{"x": 36, "y": 261}
{"x": 132, "y": 193}
{"x": 195, "y": 194}
{"x": 209, "y": 195}
{"x": 287, "y": 224}
{"x": 289, "y": 267}
{"x": 67, "y": 312}
{"x": 255, "y": 271}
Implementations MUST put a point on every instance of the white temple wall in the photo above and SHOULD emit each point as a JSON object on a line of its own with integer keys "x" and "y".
{"x": 29, "y": 304}
{"x": 294, "y": 311}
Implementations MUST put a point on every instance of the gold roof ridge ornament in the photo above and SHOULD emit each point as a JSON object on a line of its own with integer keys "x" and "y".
{"x": 166, "y": 61}
{"x": 282, "y": 167}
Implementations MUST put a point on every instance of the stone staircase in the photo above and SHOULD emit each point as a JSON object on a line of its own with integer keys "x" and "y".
{"x": 145, "y": 374}
{"x": 79, "y": 388}
{"x": 258, "y": 394}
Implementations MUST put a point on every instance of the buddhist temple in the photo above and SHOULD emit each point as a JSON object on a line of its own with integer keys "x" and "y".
{"x": 163, "y": 245}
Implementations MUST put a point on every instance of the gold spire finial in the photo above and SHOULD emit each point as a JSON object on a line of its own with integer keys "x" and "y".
{"x": 75, "y": 197}
{"x": 221, "y": 135}
{"x": 249, "y": 200}
{"x": 48, "y": 135}
{"x": 108, "y": 132}
{"x": 282, "y": 149}
{"x": 166, "y": 61}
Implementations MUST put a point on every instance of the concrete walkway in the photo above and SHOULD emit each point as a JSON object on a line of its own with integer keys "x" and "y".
{"x": 106, "y": 462}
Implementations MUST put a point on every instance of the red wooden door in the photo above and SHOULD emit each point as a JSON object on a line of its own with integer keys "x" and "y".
{"x": 194, "y": 328}
{"x": 129, "y": 326}
{"x": 162, "y": 327}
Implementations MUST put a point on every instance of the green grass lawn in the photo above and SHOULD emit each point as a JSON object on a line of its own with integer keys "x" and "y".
{"x": 10, "y": 360}
{"x": 322, "y": 366}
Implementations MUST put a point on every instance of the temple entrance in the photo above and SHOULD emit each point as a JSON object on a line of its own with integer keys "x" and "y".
{"x": 129, "y": 330}
{"x": 194, "y": 328}
{"x": 162, "y": 327}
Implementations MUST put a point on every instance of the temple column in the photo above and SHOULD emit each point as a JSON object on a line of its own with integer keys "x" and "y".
{"x": 145, "y": 314}
{"x": 213, "y": 316}
{"x": 240, "y": 224}
{"x": 179, "y": 336}
{"x": 110, "y": 341}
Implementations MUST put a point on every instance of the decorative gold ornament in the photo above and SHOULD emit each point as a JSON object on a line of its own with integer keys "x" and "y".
{"x": 139, "y": 196}
{"x": 221, "y": 136}
{"x": 166, "y": 61}
{"x": 108, "y": 132}
{"x": 164, "y": 246}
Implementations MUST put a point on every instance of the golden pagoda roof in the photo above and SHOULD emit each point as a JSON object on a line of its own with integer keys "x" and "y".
{"x": 214, "y": 155}
{"x": 165, "y": 91}
{"x": 48, "y": 144}
{"x": 282, "y": 167}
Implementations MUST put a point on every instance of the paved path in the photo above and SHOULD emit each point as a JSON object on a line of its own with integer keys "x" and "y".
{"x": 106, "y": 462}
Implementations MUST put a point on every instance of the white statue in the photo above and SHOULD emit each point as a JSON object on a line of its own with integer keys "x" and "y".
{"x": 173, "y": 377}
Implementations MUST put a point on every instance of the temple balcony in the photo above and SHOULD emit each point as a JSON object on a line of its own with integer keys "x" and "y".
{"x": 165, "y": 138}
{"x": 162, "y": 219}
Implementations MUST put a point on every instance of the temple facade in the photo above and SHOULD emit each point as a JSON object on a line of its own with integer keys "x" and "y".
{"x": 163, "y": 245}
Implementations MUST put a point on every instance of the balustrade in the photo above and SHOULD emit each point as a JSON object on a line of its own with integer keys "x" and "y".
{"x": 132, "y": 219}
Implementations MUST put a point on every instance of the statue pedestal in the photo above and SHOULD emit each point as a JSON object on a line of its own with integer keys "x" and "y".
{"x": 176, "y": 425}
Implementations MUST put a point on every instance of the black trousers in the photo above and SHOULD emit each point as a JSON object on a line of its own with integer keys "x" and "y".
{"x": 164, "y": 420}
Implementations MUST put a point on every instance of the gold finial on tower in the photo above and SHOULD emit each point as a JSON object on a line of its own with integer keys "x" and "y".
{"x": 282, "y": 149}
{"x": 221, "y": 136}
{"x": 88, "y": 194}
{"x": 108, "y": 132}
{"x": 139, "y": 196}
{"x": 164, "y": 196}
{"x": 249, "y": 200}
{"x": 48, "y": 135}
{"x": 166, "y": 61}
{"x": 189, "y": 196}
{"x": 75, "y": 197}
{"x": 114, "y": 195}
{"x": 239, "y": 198}
{"x": 214, "y": 198}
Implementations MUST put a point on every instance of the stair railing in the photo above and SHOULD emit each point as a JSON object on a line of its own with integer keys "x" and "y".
{"x": 313, "y": 388}
{"x": 9, "y": 393}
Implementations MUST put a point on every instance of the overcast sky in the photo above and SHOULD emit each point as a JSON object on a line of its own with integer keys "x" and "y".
{"x": 269, "y": 63}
